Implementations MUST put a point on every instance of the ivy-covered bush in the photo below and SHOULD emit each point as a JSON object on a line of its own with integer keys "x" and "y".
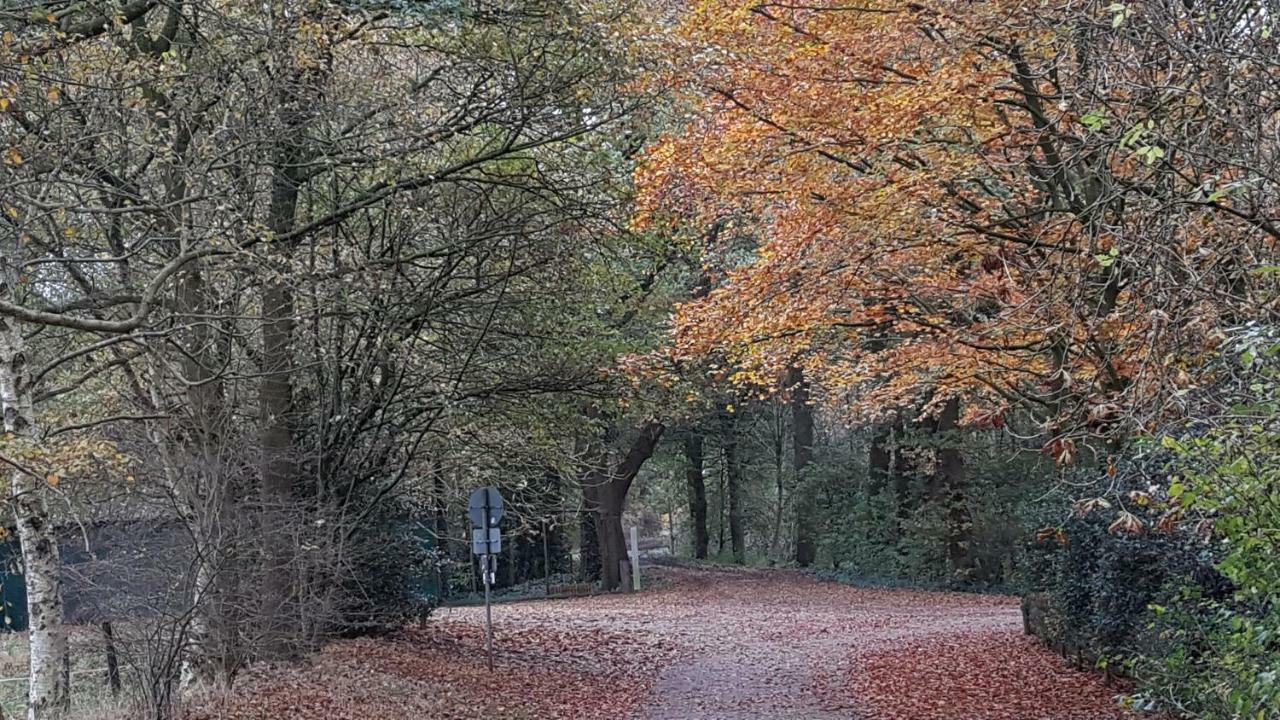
{"x": 1101, "y": 579}
{"x": 1174, "y": 567}
{"x": 1221, "y": 658}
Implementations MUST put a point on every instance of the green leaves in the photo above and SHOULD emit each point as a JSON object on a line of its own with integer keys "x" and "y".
{"x": 1120, "y": 13}
{"x": 1150, "y": 153}
{"x": 1108, "y": 258}
{"x": 1095, "y": 120}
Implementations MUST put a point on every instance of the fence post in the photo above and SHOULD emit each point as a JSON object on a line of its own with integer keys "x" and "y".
{"x": 635, "y": 560}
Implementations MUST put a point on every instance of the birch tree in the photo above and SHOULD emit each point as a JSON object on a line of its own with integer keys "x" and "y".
{"x": 48, "y": 692}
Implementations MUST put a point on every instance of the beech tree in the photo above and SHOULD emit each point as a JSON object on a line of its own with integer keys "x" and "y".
{"x": 1025, "y": 208}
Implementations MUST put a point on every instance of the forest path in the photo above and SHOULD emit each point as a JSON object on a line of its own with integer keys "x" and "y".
{"x": 697, "y": 644}
{"x": 780, "y": 644}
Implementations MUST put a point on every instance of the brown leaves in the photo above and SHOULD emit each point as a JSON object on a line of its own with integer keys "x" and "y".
{"x": 1128, "y": 524}
{"x": 707, "y": 644}
{"x": 1054, "y": 534}
{"x": 1088, "y": 505}
{"x": 438, "y": 671}
{"x": 980, "y": 676}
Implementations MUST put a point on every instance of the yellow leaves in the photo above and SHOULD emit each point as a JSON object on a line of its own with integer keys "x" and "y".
{"x": 13, "y": 158}
{"x": 1140, "y": 498}
{"x": 52, "y": 479}
{"x": 750, "y": 378}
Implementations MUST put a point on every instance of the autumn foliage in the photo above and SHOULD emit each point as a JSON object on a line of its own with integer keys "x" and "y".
{"x": 1029, "y": 204}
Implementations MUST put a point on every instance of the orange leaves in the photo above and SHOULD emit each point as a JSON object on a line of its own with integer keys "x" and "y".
{"x": 981, "y": 676}
{"x": 1054, "y": 534}
{"x": 883, "y": 174}
{"x": 708, "y": 644}
{"x": 835, "y": 142}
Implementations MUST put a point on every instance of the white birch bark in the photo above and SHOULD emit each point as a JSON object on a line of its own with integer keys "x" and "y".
{"x": 48, "y": 693}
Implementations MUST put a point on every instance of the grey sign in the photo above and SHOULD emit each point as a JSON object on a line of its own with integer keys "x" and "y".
{"x": 486, "y": 541}
{"x": 485, "y": 507}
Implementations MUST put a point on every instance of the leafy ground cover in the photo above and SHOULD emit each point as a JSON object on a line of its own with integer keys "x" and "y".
{"x": 707, "y": 644}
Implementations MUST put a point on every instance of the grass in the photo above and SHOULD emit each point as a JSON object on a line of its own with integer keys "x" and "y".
{"x": 90, "y": 696}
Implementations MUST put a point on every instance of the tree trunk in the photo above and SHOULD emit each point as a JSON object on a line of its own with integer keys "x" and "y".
{"x": 733, "y": 474}
{"x": 588, "y": 538}
{"x": 802, "y": 456}
{"x": 279, "y": 462}
{"x": 901, "y": 476}
{"x": 605, "y": 490}
{"x": 697, "y": 492}
{"x": 440, "y": 528}
{"x": 779, "y": 478}
{"x": 209, "y": 492}
{"x": 720, "y": 504}
{"x": 949, "y": 486}
{"x": 48, "y": 693}
{"x": 879, "y": 459}
{"x": 113, "y": 659}
{"x": 609, "y": 536}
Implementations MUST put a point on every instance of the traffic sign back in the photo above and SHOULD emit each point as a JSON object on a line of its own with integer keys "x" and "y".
{"x": 485, "y": 507}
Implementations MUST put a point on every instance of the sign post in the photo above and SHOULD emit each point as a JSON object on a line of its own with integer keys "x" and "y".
{"x": 485, "y": 509}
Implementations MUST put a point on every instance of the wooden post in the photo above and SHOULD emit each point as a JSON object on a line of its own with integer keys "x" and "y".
{"x": 671, "y": 525}
{"x": 113, "y": 660}
{"x": 635, "y": 560}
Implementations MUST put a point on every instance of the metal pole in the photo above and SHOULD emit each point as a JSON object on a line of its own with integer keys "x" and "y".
{"x": 490, "y": 569}
{"x": 546, "y": 558}
{"x": 488, "y": 614}
{"x": 472, "y": 565}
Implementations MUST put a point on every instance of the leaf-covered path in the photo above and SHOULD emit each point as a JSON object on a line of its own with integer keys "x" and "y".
{"x": 705, "y": 645}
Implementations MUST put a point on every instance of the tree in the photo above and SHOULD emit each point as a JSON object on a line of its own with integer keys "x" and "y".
{"x": 801, "y": 458}
{"x": 734, "y": 481}
{"x": 48, "y": 693}
{"x": 323, "y": 237}
{"x": 957, "y": 233}
{"x": 695, "y": 483}
{"x": 605, "y": 487}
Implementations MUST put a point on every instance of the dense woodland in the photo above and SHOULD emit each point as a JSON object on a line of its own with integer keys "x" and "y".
{"x": 969, "y": 295}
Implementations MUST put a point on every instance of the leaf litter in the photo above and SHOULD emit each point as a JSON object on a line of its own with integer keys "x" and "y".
{"x": 705, "y": 645}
